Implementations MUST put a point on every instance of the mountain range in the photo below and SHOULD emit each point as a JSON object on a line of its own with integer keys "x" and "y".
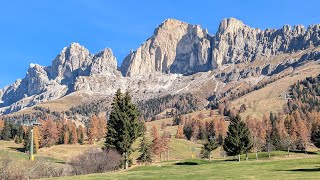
{"x": 178, "y": 58}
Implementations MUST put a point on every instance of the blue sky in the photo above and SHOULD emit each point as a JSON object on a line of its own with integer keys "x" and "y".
{"x": 35, "y": 31}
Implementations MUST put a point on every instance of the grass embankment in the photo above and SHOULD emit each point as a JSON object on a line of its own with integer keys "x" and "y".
{"x": 306, "y": 168}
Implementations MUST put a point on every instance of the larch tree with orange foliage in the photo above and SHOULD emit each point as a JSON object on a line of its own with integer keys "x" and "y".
{"x": 93, "y": 129}
{"x": 36, "y": 138}
{"x": 66, "y": 137}
{"x": 49, "y": 133}
{"x": 303, "y": 135}
{"x": 156, "y": 141}
{"x": 179, "y": 133}
{"x": 102, "y": 128}
{"x": 165, "y": 149}
{"x": 1, "y": 124}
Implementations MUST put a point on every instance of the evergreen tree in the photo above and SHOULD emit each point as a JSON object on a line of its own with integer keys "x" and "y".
{"x": 124, "y": 126}
{"x": 73, "y": 134}
{"x": 188, "y": 131}
{"x": 19, "y": 135}
{"x": 208, "y": 147}
{"x": 315, "y": 136}
{"x": 238, "y": 138}
{"x": 6, "y": 132}
{"x": 145, "y": 150}
{"x": 26, "y": 142}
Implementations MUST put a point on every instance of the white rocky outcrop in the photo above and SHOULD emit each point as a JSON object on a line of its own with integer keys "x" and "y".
{"x": 175, "y": 47}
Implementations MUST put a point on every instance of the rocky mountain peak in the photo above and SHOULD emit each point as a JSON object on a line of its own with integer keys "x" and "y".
{"x": 104, "y": 62}
{"x": 175, "y": 47}
{"x": 230, "y": 25}
{"x": 72, "y": 59}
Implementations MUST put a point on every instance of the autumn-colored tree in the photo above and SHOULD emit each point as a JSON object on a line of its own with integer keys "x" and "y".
{"x": 201, "y": 116}
{"x": 267, "y": 124}
{"x": 81, "y": 134}
{"x": 102, "y": 128}
{"x": 1, "y": 124}
{"x": 93, "y": 129}
{"x": 211, "y": 113}
{"x": 156, "y": 142}
{"x": 66, "y": 137}
{"x": 165, "y": 149}
{"x": 36, "y": 138}
{"x": 179, "y": 134}
{"x": 195, "y": 132}
{"x": 163, "y": 125}
{"x": 221, "y": 109}
{"x": 303, "y": 134}
{"x": 49, "y": 133}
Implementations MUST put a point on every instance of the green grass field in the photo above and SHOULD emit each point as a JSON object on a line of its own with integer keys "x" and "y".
{"x": 304, "y": 168}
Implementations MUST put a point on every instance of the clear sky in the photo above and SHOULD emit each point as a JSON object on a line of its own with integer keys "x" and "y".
{"x": 35, "y": 31}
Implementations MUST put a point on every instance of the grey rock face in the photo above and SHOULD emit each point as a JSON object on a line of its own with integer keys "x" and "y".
{"x": 47, "y": 83}
{"x": 175, "y": 47}
{"x": 104, "y": 63}
{"x": 73, "y": 61}
{"x": 235, "y": 42}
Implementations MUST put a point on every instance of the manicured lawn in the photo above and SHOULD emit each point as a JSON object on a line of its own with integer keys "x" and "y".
{"x": 305, "y": 168}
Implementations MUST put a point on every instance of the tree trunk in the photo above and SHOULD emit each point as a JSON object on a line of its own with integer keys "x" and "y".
{"x": 209, "y": 157}
{"x": 257, "y": 158}
{"x": 288, "y": 151}
{"x": 269, "y": 150}
{"x": 160, "y": 157}
{"x": 247, "y": 156}
{"x": 126, "y": 164}
{"x": 239, "y": 157}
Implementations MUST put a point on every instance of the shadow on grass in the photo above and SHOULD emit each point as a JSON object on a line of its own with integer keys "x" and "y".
{"x": 305, "y": 170}
{"x": 232, "y": 160}
{"x": 303, "y": 152}
{"x": 17, "y": 149}
{"x": 186, "y": 163}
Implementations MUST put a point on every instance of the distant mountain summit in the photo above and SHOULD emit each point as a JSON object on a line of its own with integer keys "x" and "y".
{"x": 177, "y": 58}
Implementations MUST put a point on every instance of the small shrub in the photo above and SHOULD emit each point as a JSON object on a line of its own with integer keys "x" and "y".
{"x": 96, "y": 161}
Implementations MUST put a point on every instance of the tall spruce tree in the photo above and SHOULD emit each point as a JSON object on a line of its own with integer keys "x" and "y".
{"x": 238, "y": 139}
{"x": 145, "y": 150}
{"x": 124, "y": 126}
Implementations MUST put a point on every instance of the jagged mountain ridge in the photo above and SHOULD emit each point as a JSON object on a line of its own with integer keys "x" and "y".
{"x": 155, "y": 69}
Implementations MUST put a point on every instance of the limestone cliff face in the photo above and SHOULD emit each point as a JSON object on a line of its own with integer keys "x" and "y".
{"x": 236, "y": 42}
{"x": 73, "y": 61}
{"x": 47, "y": 83}
{"x": 175, "y": 47}
{"x": 178, "y": 47}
